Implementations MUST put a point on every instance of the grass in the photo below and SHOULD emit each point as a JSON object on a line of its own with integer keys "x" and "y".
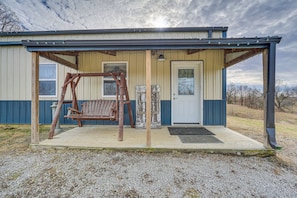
{"x": 249, "y": 122}
{"x": 16, "y": 138}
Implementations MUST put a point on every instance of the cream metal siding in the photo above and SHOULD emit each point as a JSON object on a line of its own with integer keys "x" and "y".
{"x": 161, "y": 71}
{"x": 15, "y": 73}
{"x": 136, "y": 35}
{"x": 16, "y": 66}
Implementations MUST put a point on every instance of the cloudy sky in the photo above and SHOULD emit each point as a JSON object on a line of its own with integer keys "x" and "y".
{"x": 245, "y": 18}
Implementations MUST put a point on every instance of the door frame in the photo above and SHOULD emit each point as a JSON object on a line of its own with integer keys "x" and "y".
{"x": 200, "y": 84}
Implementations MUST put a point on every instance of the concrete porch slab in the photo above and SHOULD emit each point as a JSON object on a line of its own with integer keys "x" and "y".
{"x": 106, "y": 137}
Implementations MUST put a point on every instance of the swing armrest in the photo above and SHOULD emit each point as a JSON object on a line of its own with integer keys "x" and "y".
{"x": 70, "y": 110}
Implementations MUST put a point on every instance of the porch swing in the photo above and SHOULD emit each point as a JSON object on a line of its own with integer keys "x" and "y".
{"x": 100, "y": 109}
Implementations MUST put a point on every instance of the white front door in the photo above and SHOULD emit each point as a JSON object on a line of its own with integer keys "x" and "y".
{"x": 187, "y": 92}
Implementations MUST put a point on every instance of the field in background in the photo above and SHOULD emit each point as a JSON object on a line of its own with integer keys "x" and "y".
{"x": 249, "y": 122}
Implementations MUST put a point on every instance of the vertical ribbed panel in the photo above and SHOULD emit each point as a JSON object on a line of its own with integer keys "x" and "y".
{"x": 166, "y": 112}
{"x": 214, "y": 112}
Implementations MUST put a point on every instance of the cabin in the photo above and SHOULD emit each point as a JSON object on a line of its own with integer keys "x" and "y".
{"x": 179, "y": 74}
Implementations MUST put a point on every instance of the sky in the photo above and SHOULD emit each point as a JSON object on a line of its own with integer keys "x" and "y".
{"x": 245, "y": 18}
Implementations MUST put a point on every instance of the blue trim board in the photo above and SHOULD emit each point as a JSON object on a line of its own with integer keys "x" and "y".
{"x": 214, "y": 112}
{"x": 224, "y": 34}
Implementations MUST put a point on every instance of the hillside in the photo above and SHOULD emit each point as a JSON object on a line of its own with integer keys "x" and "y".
{"x": 250, "y": 122}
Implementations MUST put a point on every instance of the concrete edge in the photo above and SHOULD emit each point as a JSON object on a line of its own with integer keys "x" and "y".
{"x": 247, "y": 153}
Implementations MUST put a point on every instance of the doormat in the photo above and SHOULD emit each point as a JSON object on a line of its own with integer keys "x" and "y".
{"x": 202, "y": 139}
{"x": 189, "y": 131}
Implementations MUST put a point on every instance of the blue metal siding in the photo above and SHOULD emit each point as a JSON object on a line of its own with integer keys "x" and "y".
{"x": 15, "y": 112}
{"x": 214, "y": 112}
{"x": 19, "y": 112}
{"x": 166, "y": 112}
{"x": 224, "y": 34}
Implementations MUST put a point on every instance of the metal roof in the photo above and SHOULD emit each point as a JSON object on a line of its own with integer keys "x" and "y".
{"x": 144, "y": 44}
{"x": 114, "y": 31}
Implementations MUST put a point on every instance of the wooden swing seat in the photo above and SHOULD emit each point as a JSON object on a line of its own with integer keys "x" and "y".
{"x": 94, "y": 110}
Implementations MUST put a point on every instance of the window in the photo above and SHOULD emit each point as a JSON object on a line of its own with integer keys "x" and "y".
{"x": 47, "y": 80}
{"x": 109, "y": 85}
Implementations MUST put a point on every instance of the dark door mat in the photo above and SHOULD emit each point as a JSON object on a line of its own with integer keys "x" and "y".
{"x": 201, "y": 139}
{"x": 189, "y": 131}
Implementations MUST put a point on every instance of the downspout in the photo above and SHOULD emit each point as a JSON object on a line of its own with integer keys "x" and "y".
{"x": 269, "y": 93}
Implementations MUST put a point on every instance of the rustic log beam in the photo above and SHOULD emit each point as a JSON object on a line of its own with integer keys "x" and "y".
{"x": 59, "y": 107}
{"x": 35, "y": 99}
{"x": 193, "y": 51}
{"x": 66, "y": 53}
{"x": 57, "y": 59}
{"x": 230, "y": 51}
{"x": 109, "y": 52}
{"x": 244, "y": 56}
{"x": 148, "y": 98}
{"x": 128, "y": 103}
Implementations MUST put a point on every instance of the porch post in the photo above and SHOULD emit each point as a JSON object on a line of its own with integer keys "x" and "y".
{"x": 269, "y": 93}
{"x": 148, "y": 98}
{"x": 35, "y": 99}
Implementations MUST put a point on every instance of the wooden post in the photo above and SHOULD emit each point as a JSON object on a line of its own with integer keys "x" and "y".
{"x": 148, "y": 97}
{"x": 35, "y": 99}
{"x": 121, "y": 108}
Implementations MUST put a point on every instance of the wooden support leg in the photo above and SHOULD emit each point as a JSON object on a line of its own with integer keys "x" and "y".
{"x": 59, "y": 106}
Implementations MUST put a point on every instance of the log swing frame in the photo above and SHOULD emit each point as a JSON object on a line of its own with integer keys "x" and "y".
{"x": 116, "y": 108}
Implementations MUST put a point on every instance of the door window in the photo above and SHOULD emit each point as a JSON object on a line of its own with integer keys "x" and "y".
{"x": 186, "y": 81}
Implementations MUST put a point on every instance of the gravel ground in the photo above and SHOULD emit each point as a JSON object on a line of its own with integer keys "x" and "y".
{"x": 73, "y": 173}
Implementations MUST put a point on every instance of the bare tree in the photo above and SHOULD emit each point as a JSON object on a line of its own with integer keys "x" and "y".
{"x": 8, "y": 20}
{"x": 284, "y": 96}
{"x": 231, "y": 94}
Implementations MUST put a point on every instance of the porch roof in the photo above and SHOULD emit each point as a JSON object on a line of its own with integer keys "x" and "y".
{"x": 149, "y": 44}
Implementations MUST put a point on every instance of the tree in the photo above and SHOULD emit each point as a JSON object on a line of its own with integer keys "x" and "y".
{"x": 231, "y": 94}
{"x": 8, "y": 20}
{"x": 284, "y": 96}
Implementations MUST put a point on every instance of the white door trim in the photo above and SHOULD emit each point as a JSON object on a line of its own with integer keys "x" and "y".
{"x": 200, "y": 87}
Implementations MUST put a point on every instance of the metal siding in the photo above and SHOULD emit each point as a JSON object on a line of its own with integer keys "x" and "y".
{"x": 15, "y": 112}
{"x": 136, "y": 35}
{"x": 19, "y": 112}
{"x": 217, "y": 34}
{"x": 165, "y": 112}
{"x": 214, "y": 112}
{"x": 15, "y": 78}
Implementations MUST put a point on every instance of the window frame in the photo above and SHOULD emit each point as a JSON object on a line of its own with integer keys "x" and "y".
{"x": 111, "y": 79}
{"x": 49, "y": 79}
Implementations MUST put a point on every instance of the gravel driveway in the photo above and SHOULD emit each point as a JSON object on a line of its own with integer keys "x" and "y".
{"x": 73, "y": 173}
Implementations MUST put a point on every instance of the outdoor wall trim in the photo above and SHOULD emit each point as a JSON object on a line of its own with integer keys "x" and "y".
{"x": 113, "y": 31}
{"x": 11, "y": 43}
{"x": 148, "y": 44}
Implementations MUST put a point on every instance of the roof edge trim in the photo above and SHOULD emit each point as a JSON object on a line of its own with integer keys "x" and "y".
{"x": 114, "y": 31}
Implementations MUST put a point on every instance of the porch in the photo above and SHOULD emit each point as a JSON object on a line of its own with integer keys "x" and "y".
{"x": 106, "y": 137}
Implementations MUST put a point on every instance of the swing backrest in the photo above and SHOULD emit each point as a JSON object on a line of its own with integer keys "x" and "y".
{"x": 100, "y": 108}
